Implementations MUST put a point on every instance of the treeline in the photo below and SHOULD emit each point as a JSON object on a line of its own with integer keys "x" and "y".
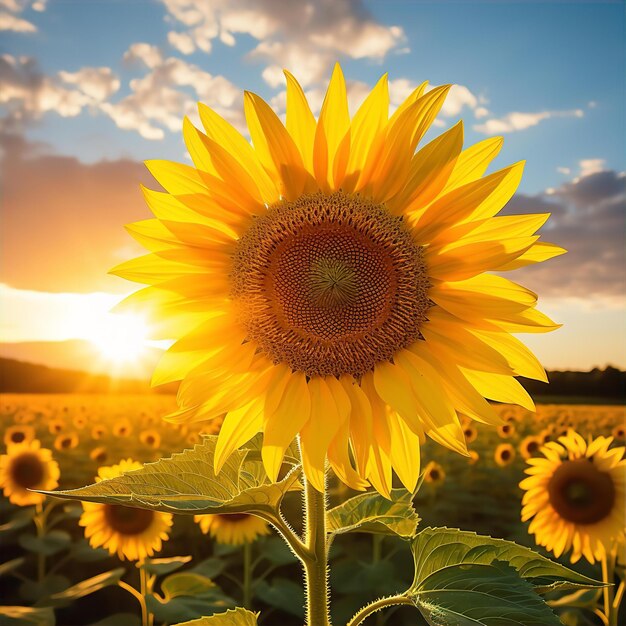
{"x": 19, "y": 377}
{"x": 607, "y": 383}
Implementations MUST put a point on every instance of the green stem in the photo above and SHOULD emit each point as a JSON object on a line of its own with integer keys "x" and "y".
{"x": 40, "y": 524}
{"x": 377, "y": 605}
{"x": 139, "y": 597}
{"x": 316, "y": 562}
{"x": 247, "y": 575}
{"x": 608, "y": 576}
{"x": 146, "y": 617}
{"x": 377, "y": 549}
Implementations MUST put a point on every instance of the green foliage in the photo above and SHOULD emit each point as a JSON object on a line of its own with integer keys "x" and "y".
{"x": 22, "y": 518}
{"x": 372, "y": 513}
{"x": 283, "y": 594}
{"x": 185, "y": 596}
{"x": 53, "y": 542}
{"x": 9, "y": 566}
{"x": 186, "y": 483}
{"x": 26, "y": 616}
{"x": 161, "y": 567}
{"x": 86, "y": 587}
{"x": 435, "y": 548}
{"x": 486, "y": 595}
{"x": 236, "y": 617}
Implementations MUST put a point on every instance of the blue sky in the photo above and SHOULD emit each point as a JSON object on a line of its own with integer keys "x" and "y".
{"x": 98, "y": 81}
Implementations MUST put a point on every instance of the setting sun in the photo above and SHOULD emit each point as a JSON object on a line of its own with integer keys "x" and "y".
{"x": 119, "y": 337}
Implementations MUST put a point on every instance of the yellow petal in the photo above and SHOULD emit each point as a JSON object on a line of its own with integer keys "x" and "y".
{"x": 227, "y": 136}
{"x": 404, "y": 452}
{"x": 332, "y": 136}
{"x": 176, "y": 178}
{"x": 276, "y": 149}
{"x": 413, "y": 97}
{"x": 300, "y": 121}
{"x": 499, "y": 388}
{"x": 287, "y": 409}
{"x": 238, "y": 428}
{"x": 367, "y": 133}
{"x": 473, "y": 162}
{"x": 537, "y": 253}
{"x": 361, "y": 428}
{"x": 330, "y": 408}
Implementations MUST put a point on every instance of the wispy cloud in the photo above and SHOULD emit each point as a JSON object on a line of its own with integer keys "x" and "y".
{"x": 516, "y": 121}
{"x": 10, "y": 11}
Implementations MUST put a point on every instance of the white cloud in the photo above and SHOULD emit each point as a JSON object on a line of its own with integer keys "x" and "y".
{"x": 170, "y": 90}
{"x": 566, "y": 171}
{"x": 304, "y": 37}
{"x": 16, "y": 24}
{"x": 181, "y": 42}
{"x": 515, "y": 121}
{"x": 480, "y": 112}
{"x": 99, "y": 83}
{"x": 591, "y": 166}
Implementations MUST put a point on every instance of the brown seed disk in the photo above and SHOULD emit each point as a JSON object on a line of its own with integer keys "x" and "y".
{"x": 581, "y": 493}
{"x": 27, "y": 470}
{"x": 127, "y": 520}
{"x": 330, "y": 284}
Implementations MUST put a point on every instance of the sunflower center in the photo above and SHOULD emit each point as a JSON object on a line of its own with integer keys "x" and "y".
{"x": 581, "y": 493}
{"x": 18, "y": 436}
{"x": 330, "y": 284}
{"x": 27, "y": 470}
{"x": 127, "y": 520}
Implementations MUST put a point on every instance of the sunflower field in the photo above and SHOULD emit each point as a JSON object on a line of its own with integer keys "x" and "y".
{"x": 73, "y": 564}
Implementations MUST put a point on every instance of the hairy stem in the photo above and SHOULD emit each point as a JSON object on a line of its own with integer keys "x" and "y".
{"x": 247, "y": 575}
{"x": 377, "y": 605}
{"x": 316, "y": 562}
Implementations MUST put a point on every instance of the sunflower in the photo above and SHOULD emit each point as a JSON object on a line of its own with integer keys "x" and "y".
{"x": 619, "y": 432}
{"x": 131, "y": 532}
{"x": 68, "y": 441}
{"x": 434, "y": 474}
{"x": 504, "y": 454}
{"x": 470, "y": 433}
{"x": 18, "y": 434}
{"x": 575, "y": 496}
{"x": 150, "y": 438}
{"x": 329, "y": 281}
{"x": 234, "y": 529}
{"x": 506, "y": 430}
{"x": 56, "y": 426}
{"x": 25, "y": 466}
{"x": 473, "y": 458}
{"x": 122, "y": 428}
{"x": 99, "y": 455}
{"x": 98, "y": 431}
{"x": 529, "y": 446}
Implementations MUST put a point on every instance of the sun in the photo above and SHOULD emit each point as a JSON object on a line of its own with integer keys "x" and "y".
{"x": 120, "y": 337}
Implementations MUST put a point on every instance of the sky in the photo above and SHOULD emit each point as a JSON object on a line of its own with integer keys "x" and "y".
{"x": 89, "y": 89}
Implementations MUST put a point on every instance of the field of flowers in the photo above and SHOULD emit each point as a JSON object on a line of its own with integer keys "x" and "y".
{"x": 49, "y": 566}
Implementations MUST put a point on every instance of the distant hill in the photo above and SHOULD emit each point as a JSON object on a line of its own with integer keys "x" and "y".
{"x": 79, "y": 355}
{"x": 20, "y": 377}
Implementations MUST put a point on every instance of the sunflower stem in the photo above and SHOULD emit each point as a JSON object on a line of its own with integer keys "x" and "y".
{"x": 377, "y": 605}
{"x": 40, "y": 524}
{"x": 247, "y": 575}
{"x": 608, "y": 576}
{"x": 316, "y": 562}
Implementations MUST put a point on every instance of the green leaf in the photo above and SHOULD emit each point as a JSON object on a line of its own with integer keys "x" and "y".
{"x": 186, "y": 483}
{"x": 40, "y": 592}
{"x": 187, "y": 595}
{"x": 86, "y": 587}
{"x": 481, "y": 595}
{"x": 127, "y": 619}
{"x": 19, "y": 520}
{"x": 82, "y": 552}
{"x": 436, "y": 548}
{"x": 185, "y": 584}
{"x": 25, "y": 616}
{"x": 372, "y": 513}
{"x": 164, "y": 566}
{"x": 49, "y": 544}
{"x": 211, "y": 567}
{"x": 283, "y": 594}
{"x": 581, "y": 598}
{"x": 236, "y": 617}
{"x": 275, "y": 550}
{"x": 9, "y": 566}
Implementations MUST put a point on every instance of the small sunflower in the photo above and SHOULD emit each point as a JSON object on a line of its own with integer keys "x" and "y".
{"x": 470, "y": 432}
{"x": 130, "y": 532}
{"x": 99, "y": 455}
{"x": 98, "y": 431}
{"x": 18, "y": 434}
{"x": 506, "y": 431}
{"x": 330, "y": 282}
{"x": 150, "y": 438}
{"x": 529, "y": 446}
{"x": 575, "y": 496}
{"x": 79, "y": 421}
{"x": 473, "y": 458}
{"x": 619, "y": 432}
{"x": 56, "y": 426}
{"x": 67, "y": 441}
{"x": 27, "y": 466}
{"x": 234, "y": 528}
{"x": 122, "y": 428}
{"x": 504, "y": 454}
{"x": 434, "y": 474}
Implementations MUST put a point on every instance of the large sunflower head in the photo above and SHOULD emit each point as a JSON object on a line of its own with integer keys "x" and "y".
{"x": 328, "y": 281}
{"x": 575, "y": 496}
{"x": 233, "y": 528}
{"x": 130, "y": 532}
{"x": 27, "y": 466}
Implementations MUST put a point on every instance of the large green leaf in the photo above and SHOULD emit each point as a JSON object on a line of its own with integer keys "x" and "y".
{"x": 236, "y": 617}
{"x": 436, "y": 548}
{"x": 481, "y": 595}
{"x": 161, "y": 567}
{"x": 372, "y": 513}
{"x": 283, "y": 594}
{"x": 86, "y": 587}
{"x": 186, "y": 483}
{"x": 49, "y": 544}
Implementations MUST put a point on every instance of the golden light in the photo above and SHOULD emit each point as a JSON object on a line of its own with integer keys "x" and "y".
{"x": 120, "y": 337}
